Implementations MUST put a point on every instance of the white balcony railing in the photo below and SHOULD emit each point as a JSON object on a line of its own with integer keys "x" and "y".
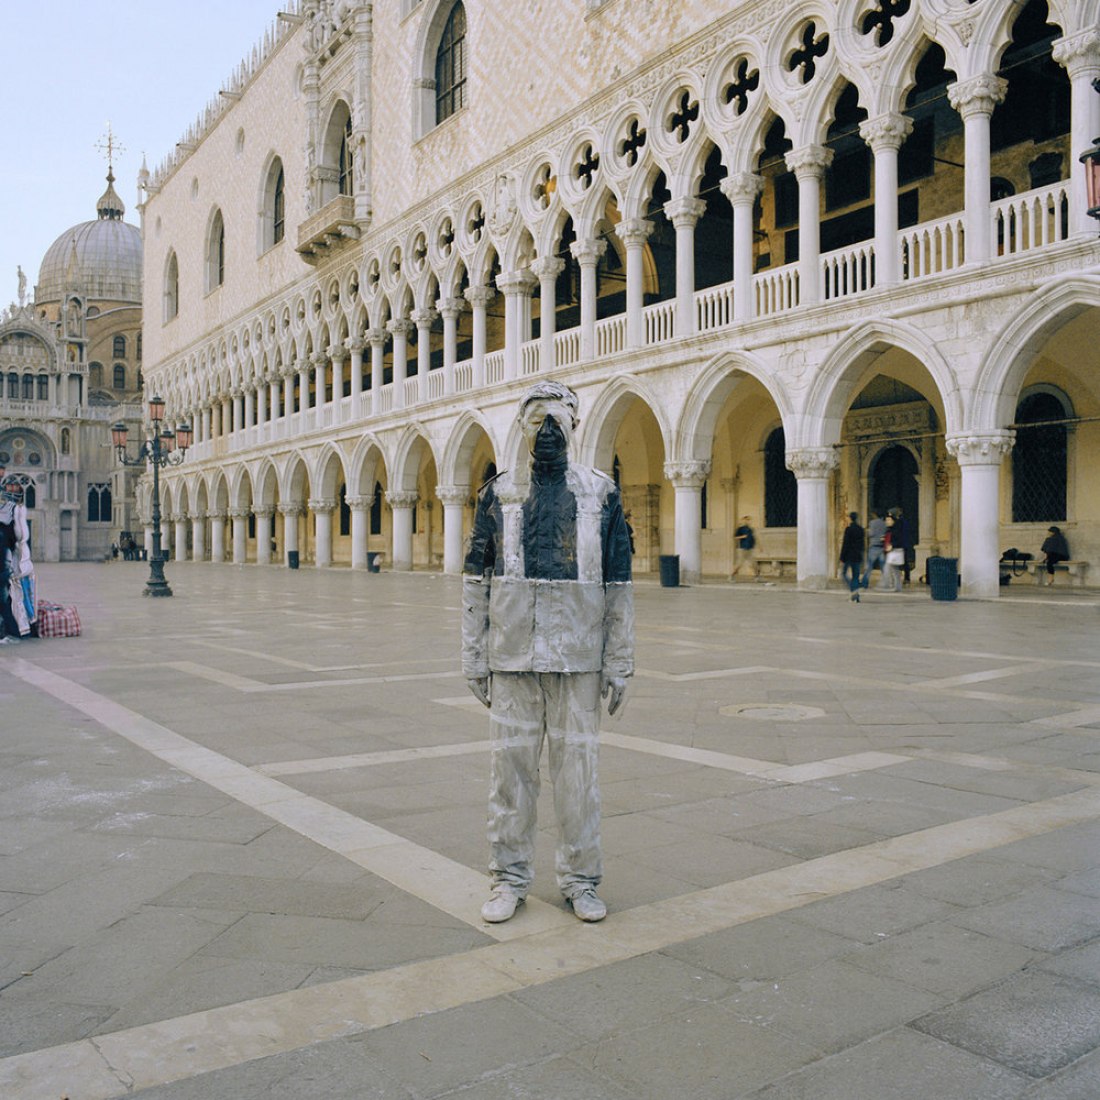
{"x": 932, "y": 248}
{"x": 776, "y": 291}
{"x": 464, "y": 376}
{"x": 567, "y": 347}
{"x": 848, "y": 271}
{"x": 660, "y": 322}
{"x": 530, "y": 359}
{"x": 435, "y": 384}
{"x": 714, "y": 308}
{"x": 494, "y": 368}
{"x": 1033, "y": 220}
{"x": 611, "y": 335}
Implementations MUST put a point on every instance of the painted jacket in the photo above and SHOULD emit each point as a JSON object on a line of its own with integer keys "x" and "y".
{"x": 546, "y": 581}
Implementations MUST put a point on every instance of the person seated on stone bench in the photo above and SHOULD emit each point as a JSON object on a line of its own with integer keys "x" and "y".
{"x": 1056, "y": 549}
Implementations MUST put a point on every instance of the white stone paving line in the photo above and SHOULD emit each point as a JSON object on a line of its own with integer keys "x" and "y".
{"x": 112, "y": 1066}
{"x": 448, "y": 886}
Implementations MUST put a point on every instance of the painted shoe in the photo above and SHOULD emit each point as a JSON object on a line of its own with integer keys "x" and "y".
{"x": 588, "y": 907}
{"x": 501, "y": 906}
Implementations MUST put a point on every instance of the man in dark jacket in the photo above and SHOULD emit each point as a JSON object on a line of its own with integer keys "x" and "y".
{"x": 851, "y": 554}
{"x": 547, "y": 628}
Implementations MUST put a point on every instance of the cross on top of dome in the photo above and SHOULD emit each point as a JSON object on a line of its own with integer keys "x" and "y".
{"x": 110, "y": 205}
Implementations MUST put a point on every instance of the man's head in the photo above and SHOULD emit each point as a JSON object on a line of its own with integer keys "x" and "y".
{"x": 853, "y": 517}
{"x": 548, "y": 417}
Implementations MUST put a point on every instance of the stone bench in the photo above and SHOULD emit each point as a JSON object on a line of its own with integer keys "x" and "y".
{"x": 1075, "y": 569}
{"x": 778, "y": 565}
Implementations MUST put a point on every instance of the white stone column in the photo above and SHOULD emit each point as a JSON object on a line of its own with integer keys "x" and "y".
{"x": 402, "y": 504}
{"x": 1080, "y": 56}
{"x": 237, "y": 406}
{"x": 687, "y": 480}
{"x": 290, "y": 513}
{"x": 450, "y": 309}
{"x": 376, "y": 337}
{"x": 809, "y": 164}
{"x": 479, "y": 298}
{"x": 217, "y": 537}
{"x": 513, "y": 285}
{"x": 355, "y": 346}
{"x": 546, "y": 270}
{"x": 303, "y": 386}
{"x": 198, "y": 536}
{"x": 180, "y": 537}
{"x": 587, "y": 254}
{"x": 634, "y": 233}
{"x": 423, "y": 319}
{"x": 741, "y": 188}
{"x": 813, "y": 466}
{"x": 975, "y": 99}
{"x": 249, "y": 408}
{"x": 263, "y": 535}
{"x": 240, "y": 535}
{"x": 453, "y": 498}
{"x": 319, "y": 362}
{"x": 288, "y": 391}
{"x": 360, "y": 507}
{"x": 399, "y": 330}
{"x": 275, "y": 394}
{"x": 337, "y": 353}
{"x": 204, "y": 424}
{"x": 322, "y": 518}
{"x": 885, "y": 135}
{"x": 685, "y": 214}
{"x": 980, "y": 455}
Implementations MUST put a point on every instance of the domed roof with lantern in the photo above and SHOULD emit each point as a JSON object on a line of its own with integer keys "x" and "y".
{"x": 98, "y": 259}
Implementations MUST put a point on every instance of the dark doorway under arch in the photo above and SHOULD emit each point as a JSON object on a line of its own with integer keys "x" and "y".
{"x": 894, "y": 485}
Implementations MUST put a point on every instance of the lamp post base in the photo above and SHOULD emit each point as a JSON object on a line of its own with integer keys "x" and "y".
{"x": 157, "y": 589}
{"x": 156, "y": 585}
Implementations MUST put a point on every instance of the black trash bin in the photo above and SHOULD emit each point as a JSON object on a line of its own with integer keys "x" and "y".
{"x": 292, "y": 559}
{"x": 943, "y": 578}
{"x": 670, "y": 570}
{"x": 373, "y": 565}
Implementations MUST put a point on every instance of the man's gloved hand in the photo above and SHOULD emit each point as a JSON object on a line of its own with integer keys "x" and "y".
{"x": 615, "y": 687}
{"x": 480, "y": 688}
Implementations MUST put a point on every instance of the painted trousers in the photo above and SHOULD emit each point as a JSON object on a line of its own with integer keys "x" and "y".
{"x": 562, "y": 708}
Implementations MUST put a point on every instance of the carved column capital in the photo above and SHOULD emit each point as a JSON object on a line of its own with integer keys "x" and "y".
{"x": 337, "y": 352}
{"x": 634, "y": 231}
{"x": 358, "y": 504}
{"x": 978, "y": 95}
{"x": 321, "y": 505}
{"x": 450, "y": 307}
{"x": 402, "y": 326}
{"x": 401, "y": 498}
{"x": 516, "y": 282}
{"x": 588, "y": 253}
{"x": 198, "y": 516}
{"x": 980, "y": 448}
{"x": 741, "y": 188}
{"x": 239, "y": 513}
{"x": 292, "y": 510}
{"x": 811, "y": 462}
{"x": 355, "y": 344}
{"x": 265, "y": 511}
{"x": 479, "y": 295}
{"x": 452, "y": 494}
{"x": 375, "y": 336}
{"x": 810, "y": 161}
{"x": 423, "y": 318}
{"x": 547, "y": 267}
{"x": 1079, "y": 53}
{"x": 688, "y": 475}
{"x": 685, "y": 211}
{"x": 318, "y": 359}
{"x": 887, "y": 131}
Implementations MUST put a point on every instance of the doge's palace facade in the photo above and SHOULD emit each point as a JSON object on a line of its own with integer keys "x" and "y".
{"x": 800, "y": 259}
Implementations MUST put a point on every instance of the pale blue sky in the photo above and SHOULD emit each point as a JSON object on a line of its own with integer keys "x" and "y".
{"x": 148, "y": 66}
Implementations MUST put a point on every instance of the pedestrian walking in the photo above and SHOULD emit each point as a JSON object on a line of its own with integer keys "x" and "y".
{"x": 851, "y": 554}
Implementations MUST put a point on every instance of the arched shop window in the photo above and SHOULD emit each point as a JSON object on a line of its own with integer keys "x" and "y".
{"x": 780, "y": 485}
{"x": 1039, "y": 460}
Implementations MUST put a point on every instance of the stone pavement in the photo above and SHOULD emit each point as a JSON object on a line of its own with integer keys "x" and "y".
{"x": 852, "y": 851}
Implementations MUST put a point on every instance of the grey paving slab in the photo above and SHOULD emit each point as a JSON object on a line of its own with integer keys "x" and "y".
{"x": 900, "y": 1065}
{"x": 136, "y": 896}
{"x": 1034, "y": 1023}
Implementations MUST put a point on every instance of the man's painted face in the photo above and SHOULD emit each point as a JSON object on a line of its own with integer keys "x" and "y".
{"x": 548, "y": 443}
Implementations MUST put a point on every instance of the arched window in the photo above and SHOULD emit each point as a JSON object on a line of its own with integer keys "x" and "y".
{"x": 273, "y": 206}
{"x": 450, "y": 65}
{"x": 28, "y": 387}
{"x": 30, "y": 496}
{"x": 99, "y": 503}
{"x": 120, "y": 377}
{"x": 95, "y": 375}
{"x": 43, "y": 382}
{"x": 119, "y": 347}
{"x": 1039, "y": 459}
{"x": 171, "y": 287}
{"x": 346, "y": 163}
{"x": 215, "y": 253}
{"x": 13, "y": 386}
{"x": 780, "y": 485}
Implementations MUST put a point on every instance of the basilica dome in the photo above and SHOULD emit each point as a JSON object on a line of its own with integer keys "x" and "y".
{"x": 99, "y": 259}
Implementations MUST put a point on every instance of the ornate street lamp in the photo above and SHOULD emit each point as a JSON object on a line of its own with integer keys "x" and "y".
{"x": 1091, "y": 161}
{"x": 159, "y": 448}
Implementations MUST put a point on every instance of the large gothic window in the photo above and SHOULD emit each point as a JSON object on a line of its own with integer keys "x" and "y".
{"x": 347, "y": 162}
{"x": 99, "y": 503}
{"x": 450, "y": 66}
{"x": 215, "y": 253}
{"x": 780, "y": 485}
{"x": 171, "y": 287}
{"x": 1039, "y": 460}
{"x": 273, "y": 206}
{"x": 119, "y": 347}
